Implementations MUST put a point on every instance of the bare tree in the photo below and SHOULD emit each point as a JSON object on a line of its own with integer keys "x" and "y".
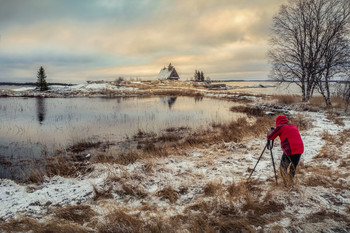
{"x": 343, "y": 90}
{"x": 336, "y": 50}
{"x": 308, "y": 38}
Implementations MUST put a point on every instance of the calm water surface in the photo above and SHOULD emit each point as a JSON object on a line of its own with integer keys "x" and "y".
{"x": 31, "y": 127}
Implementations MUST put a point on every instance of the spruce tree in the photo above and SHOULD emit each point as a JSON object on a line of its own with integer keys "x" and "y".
{"x": 196, "y": 76}
{"x": 41, "y": 80}
{"x": 202, "y": 76}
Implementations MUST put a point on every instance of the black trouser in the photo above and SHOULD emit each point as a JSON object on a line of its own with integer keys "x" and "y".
{"x": 291, "y": 160}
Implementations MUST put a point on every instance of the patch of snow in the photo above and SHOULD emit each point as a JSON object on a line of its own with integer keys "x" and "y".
{"x": 24, "y": 89}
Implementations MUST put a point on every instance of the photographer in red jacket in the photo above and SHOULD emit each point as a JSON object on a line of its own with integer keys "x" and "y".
{"x": 291, "y": 143}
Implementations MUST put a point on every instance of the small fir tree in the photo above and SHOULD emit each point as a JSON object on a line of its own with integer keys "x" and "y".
{"x": 41, "y": 80}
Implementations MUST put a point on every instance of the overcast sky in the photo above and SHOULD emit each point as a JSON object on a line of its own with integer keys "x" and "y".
{"x": 77, "y": 40}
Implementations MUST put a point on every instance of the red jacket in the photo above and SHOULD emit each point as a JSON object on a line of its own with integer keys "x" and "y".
{"x": 291, "y": 142}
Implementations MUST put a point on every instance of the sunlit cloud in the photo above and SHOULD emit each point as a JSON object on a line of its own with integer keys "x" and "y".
{"x": 84, "y": 40}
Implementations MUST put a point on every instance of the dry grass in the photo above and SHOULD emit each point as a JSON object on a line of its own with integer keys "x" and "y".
{"x": 327, "y": 153}
{"x": 199, "y": 138}
{"x": 36, "y": 176}
{"x": 325, "y": 177}
{"x": 237, "y": 190}
{"x": 323, "y": 214}
{"x": 148, "y": 167}
{"x": 32, "y": 225}
{"x": 212, "y": 188}
{"x": 215, "y": 217}
{"x": 261, "y": 208}
{"x": 317, "y": 101}
{"x": 104, "y": 158}
{"x": 133, "y": 191}
{"x": 336, "y": 119}
{"x": 302, "y": 121}
{"x": 237, "y": 130}
{"x": 79, "y": 214}
{"x": 103, "y": 193}
{"x": 169, "y": 193}
{"x": 64, "y": 166}
{"x": 84, "y": 145}
{"x": 287, "y": 179}
{"x": 119, "y": 221}
{"x": 128, "y": 158}
{"x": 325, "y": 135}
{"x": 249, "y": 110}
{"x": 158, "y": 151}
{"x": 287, "y": 99}
{"x": 344, "y": 136}
{"x": 169, "y": 137}
{"x": 338, "y": 102}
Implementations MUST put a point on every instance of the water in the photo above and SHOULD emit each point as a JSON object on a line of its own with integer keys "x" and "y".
{"x": 33, "y": 127}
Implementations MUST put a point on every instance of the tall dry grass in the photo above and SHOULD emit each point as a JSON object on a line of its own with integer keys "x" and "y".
{"x": 287, "y": 99}
{"x": 25, "y": 224}
{"x": 65, "y": 166}
{"x": 302, "y": 121}
{"x": 255, "y": 111}
{"x": 332, "y": 116}
{"x": 76, "y": 213}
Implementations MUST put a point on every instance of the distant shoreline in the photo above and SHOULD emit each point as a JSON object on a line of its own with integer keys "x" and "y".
{"x": 213, "y": 81}
{"x": 34, "y": 84}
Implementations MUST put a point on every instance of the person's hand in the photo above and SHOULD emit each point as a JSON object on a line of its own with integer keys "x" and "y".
{"x": 270, "y": 130}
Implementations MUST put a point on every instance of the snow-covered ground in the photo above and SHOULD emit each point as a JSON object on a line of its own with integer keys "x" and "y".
{"x": 221, "y": 164}
{"x": 127, "y": 88}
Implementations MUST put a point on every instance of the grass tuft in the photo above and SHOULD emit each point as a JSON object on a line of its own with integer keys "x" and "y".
{"x": 102, "y": 194}
{"x": 211, "y": 188}
{"x": 119, "y": 221}
{"x": 79, "y": 214}
{"x": 169, "y": 193}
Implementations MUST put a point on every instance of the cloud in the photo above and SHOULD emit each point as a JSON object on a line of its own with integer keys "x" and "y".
{"x": 105, "y": 38}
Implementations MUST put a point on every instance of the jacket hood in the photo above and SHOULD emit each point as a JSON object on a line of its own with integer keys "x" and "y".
{"x": 281, "y": 120}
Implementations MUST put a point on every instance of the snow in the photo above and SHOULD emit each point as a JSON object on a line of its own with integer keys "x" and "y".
{"x": 24, "y": 89}
{"x": 83, "y": 87}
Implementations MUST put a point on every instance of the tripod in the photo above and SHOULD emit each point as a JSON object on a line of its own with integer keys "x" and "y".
{"x": 268, "y": 146}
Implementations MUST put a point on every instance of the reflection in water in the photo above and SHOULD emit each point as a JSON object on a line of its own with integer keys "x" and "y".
{"x": 40, "y": 109}
{"x": 198, "y": 98}
{"x": 169, "y": 100}
{"x": 64, "y": 121}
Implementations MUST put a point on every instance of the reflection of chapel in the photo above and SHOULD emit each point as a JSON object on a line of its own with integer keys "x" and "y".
{"x": 168, "y": 73}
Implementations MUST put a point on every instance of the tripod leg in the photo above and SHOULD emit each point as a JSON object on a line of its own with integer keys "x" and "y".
{"x": 257, "y": 162}
{"x": 273, "y": 163}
